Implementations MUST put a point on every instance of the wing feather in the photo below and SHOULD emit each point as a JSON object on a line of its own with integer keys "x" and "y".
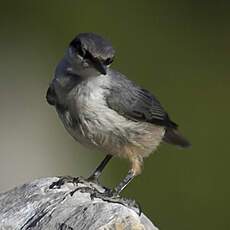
{"x": 136, "y": 103}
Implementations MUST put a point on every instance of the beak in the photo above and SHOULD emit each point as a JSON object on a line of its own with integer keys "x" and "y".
{"x": 99, "y": 66}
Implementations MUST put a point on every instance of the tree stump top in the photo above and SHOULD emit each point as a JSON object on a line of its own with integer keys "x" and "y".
{"x": 69, "y": 206}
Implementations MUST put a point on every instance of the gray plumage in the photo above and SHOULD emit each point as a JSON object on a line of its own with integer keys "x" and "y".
{"x": 102, "y": 109}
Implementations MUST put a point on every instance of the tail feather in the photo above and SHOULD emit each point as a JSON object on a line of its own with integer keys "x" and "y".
{"x": 173, "y": 136}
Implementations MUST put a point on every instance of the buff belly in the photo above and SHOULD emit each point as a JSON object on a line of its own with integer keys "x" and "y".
{"x": 113, "y": 134}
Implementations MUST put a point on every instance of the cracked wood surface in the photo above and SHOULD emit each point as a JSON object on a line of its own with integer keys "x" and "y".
{"x": 66, "y": 207}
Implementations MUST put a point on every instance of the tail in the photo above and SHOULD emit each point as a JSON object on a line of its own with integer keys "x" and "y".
{"x": 173, "y": 136}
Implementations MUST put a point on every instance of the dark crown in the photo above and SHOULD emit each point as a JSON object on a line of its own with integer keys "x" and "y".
{"x": 94, "y": 45}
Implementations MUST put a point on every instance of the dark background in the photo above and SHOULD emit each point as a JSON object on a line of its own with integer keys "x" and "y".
{"x": 177, "y": 49}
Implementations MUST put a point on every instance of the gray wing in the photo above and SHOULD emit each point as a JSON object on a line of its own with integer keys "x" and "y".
{"x": 136, "y": 103}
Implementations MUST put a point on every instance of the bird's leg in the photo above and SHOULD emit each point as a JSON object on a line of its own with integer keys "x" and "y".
{"x": 96, "y": 174}
{"x": 129, "y": 177}
{"x": 134, "y": 171}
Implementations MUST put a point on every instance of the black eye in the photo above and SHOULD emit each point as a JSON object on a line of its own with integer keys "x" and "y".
{"x": 108, "y": 61}
{"x": 81, "y": 52}
{"x": 76, "y": 44}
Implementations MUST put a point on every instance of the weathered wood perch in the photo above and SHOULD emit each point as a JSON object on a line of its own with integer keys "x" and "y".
{"x": 68, "y": 206}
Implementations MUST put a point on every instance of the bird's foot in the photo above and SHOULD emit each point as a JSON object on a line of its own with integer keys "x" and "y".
{"x": 93, "y": 179}
{"x": 111, "y": 193}
{"x": 64, "y": 179}
{"x": 112, "y": 196}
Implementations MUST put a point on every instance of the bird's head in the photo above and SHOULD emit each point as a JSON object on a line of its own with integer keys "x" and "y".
{"x": 90, "y": 54}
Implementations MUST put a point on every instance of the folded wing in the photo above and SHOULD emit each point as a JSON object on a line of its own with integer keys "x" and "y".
{"x": 138, "y": 104}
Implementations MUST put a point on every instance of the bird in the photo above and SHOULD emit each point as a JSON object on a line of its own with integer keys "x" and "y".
{"x": 105, "y": 111}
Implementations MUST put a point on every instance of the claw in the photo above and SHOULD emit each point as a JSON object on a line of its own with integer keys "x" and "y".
{"x": 112, "y": 196}
{"x": 111, "y": 193}
{"x": 62, "y": 180}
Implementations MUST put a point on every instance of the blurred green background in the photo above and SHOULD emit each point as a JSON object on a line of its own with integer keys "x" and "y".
{"x": 177, "y": 49}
